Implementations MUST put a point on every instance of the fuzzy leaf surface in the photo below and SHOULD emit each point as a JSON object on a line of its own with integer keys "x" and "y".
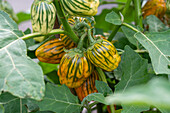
{"x": 19, "y": 74}
{"x": 158, "y": 45}
{"x": 59, "y": 99}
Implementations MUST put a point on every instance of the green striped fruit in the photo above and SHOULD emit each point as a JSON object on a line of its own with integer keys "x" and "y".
{"x": 74, "y": 69}
{"x": 87, "y": 87}
{"x": 51, "y": 51}
{"x": 43, "y": 15}
{"x": 80, "y": 7}
{"x": 104, "y": 55}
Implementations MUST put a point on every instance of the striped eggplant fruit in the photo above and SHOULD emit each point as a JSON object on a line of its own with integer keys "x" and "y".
{"x": 74, "y": 69}
{"x": 104, "y": 55}
{"x": 80, "y": 7}
{"x": 87, "y": 87}
{"x": 51, "y": 51}
{"x": 43, "y": 15}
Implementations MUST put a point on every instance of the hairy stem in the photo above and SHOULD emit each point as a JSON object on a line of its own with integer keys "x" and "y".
{"x": 53, "y": 32}
{"x": 65, "y": 23}
{"x": 138, "y": 12}
{"x": 137, "y": 51}
{"x": 131, "y": 27}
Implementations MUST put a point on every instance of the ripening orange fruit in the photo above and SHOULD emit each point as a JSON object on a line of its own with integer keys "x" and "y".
{"x": 154, "y": 7}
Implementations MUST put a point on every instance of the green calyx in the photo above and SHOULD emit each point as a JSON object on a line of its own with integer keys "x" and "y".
{"x": 80, "y": 27}
{"x": 79, "y": 50}
{"x": 92, "y": 40}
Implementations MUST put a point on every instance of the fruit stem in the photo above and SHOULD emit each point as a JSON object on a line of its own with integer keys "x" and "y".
{"x": 64, "y": 21}
{"x": 80, "y": 44}
{"x": 90, "y": 37}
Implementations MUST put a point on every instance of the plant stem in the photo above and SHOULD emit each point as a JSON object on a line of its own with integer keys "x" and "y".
{"x": 53, "y": 32}
{"x": 112, "y": 2}
{"x": 101, "y": 74}
{"x": 138, "y": 13}
{"x": 126, "y": 7}
{"x": 129, "y": 26}
{"x": 80, "y": 44}
{"x": 137, "y": 51}
{"x": 116, "y": 27}
{"x": 114, "y": 31}
{"x": 90, "y": 37}
{"x": 65, "y": 23}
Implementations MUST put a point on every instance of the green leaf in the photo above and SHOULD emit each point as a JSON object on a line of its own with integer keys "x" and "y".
{"x": 155, "y": 25}
{"x": 12, "y": 104}
{"x": 47, "y": 68}
{"x": 31, "y": 107}
{"x": 155, "y": 93}
{"x": 59, "y": 99}
{"x": 158, "y": 46}
{"x": 8, "y": 30}
{"x": 134, "y": 70}
{"x": 98, "y": 97}
{"x": 19, "y": 74}
{"x": 103, "y": 88}
{"x": 7, "y": 22}
{"x": 100, "y": 23}
{"x": 113, "y": 18}
{"x": 130, "y": 35}
{"x": 23, "y": 16}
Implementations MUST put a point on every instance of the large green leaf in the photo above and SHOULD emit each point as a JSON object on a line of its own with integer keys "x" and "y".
{"x": 19, "y": 74}
{"x": 155, "y": 93}
{"x": 134, "y": 70}
{"x": 12, "y": 104}
{"x": 158, "y": 45}
{"x": 155, "y": 25}
{"x": 59, "y": 99}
